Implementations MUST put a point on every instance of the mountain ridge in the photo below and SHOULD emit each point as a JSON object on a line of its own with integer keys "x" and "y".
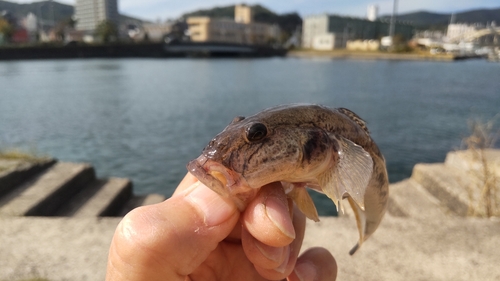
{"x": 424, "y": 19}
{"x": 45, "y": 9}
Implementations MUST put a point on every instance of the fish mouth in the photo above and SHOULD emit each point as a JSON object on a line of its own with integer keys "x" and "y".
{"x": 222, "y": 180}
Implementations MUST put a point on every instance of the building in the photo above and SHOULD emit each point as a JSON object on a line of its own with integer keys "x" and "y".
{"x": 459, "y": 31}
{"x": 372, "y": 13}
{"x": 90, "y": 13}
{"x": 240, "y": 30}
{"x": 475, "y": 34}
{"x": 157, "y": 31}
{"x": 363, "y": 45}
{"x": 343, "y": 29}
{"x": 243, "y": 14}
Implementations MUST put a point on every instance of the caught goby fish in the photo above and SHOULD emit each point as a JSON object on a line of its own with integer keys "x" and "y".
{"x": 327, "y": 150}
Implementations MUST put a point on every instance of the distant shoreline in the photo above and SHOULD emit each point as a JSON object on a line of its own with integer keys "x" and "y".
{"x": 204, "y": 50}
{"x": 140, "y": 50}
{"x": 372, "y": 55}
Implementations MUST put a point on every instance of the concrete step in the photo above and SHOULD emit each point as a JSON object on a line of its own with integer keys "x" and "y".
{"x": 101, "y": 197}
{"x": 141, "y": 200}
{"x": 14, "y": 172}
{"x": 448, "y": 184}
{"x": 473, "y": 161}
{"x": 109, "y": 199}
{"x": 408, "y": 198}
{"x": 46, "y": 193}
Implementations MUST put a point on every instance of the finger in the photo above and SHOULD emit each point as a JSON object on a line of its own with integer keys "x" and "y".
{"x": 168, "y": 241}
{"x": 262, "y": 255}
{"x": 316, "y": 264}
{"x": 267, "y": 217}
{"x": 185, "y": 183}
{"x": 282, "y": 267}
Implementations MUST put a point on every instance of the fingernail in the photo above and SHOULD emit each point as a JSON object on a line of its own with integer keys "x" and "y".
{"x": 272, "y": 253}
{"x": 215, "y": 209}
{"x": 283, "y": 265}
{"x": 305, "y": 271}
{"x": 277, "y": 211}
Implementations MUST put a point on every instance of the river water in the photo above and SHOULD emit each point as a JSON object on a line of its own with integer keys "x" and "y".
{"x": 146, "y": 118}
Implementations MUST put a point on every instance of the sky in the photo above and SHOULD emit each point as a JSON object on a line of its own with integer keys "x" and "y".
{"x": 171, "y": 9}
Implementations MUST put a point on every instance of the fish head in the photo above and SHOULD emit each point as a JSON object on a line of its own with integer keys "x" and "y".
{"x": 254, "y": 151}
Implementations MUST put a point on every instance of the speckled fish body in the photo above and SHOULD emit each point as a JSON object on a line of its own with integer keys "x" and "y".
{"x": 328, "y": 150}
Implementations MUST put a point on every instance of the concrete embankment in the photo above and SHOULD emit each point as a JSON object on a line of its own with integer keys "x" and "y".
{"x": 424, "y": 236}
{"x": 372, "y": 55}
{"x": 142, "y": 50}
{"x": 52, "y": 188}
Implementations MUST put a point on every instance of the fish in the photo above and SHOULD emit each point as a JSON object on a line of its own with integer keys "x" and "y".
{"x": 328, "y": 150}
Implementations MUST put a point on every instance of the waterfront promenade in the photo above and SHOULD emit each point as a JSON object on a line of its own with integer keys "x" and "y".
{"x": 424, "y": 236}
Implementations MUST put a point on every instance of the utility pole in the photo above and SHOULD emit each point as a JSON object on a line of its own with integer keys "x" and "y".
{"x": 52, "y": 13}
{"x": 393, "y": 21}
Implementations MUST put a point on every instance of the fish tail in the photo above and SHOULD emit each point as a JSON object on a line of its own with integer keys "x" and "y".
{"x": 354, "y": 249}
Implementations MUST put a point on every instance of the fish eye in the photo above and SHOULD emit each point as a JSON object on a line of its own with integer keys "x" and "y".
{"x": 256, "y": 132}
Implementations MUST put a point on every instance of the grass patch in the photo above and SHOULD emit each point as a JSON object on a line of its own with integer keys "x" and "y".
{"x": 12, "y": 154}
{"x": 484, "y": 189}
{"x": 17, "y": 154}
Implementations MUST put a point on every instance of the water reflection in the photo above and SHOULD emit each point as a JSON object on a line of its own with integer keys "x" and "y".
{"x": 146, "y": 118}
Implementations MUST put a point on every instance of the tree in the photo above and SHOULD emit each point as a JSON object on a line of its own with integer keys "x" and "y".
{"x": 6, "y": 29}
{"x": 62, "y": 27}
{"x": 106, "y": 31}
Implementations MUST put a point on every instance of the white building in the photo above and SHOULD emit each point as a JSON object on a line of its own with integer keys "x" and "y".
{"x": 314, "y": 26}
{"x": 458, "y": 31}
{"x": 31, "y": 23}
{"x": 90, "y": 13}
{"x": 328, "y": 32}
{"x": 372, "y": 13}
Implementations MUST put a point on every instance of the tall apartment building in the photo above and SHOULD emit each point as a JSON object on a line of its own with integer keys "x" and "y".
{"x": 90, "y": 13}
{"x": 372, "y": 13}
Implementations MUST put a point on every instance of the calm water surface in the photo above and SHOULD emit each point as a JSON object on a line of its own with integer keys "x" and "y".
{"x": 146, "y": 118}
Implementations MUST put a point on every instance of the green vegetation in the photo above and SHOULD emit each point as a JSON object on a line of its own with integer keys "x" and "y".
{"x": 107, "y": 32}
{"x": 217, "y": 12}
{"x": 17, "y": 154}
{"x": 5, "y": 29}
{"x": 484, "y": 190}
{"x": 18, "y": 157}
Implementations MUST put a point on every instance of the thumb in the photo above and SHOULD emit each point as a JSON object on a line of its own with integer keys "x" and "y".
{"x": 168, "y": 241}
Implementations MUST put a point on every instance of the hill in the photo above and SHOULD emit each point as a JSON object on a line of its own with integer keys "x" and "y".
{"x": 287, "y": 22}
{"x": 45, "y": 10}
{"x": 431, "y": 20}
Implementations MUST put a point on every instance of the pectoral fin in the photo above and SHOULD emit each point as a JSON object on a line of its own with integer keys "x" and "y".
{"x": 304, "y": 202}
{"x": 350, "y": 175}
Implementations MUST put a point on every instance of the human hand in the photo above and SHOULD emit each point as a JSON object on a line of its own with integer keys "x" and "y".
{"x": 198, "y": 235}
